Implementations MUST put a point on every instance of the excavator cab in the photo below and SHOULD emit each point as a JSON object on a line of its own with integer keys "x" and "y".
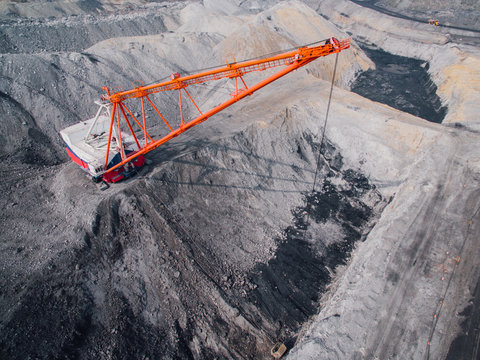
{"x": 433, "y": 22}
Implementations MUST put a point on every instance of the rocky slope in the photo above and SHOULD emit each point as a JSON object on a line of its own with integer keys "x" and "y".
{"x": 452, "y": 54}
{"x": 225, "y": 243}
{"x": 414, "y": 280}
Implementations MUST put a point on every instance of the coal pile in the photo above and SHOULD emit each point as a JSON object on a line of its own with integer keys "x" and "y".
{"x": 402, "y": 83}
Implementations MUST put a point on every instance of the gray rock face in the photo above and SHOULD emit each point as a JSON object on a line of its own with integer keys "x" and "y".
{"x": 437, "y": 5}
{"x": 74, "y": 34}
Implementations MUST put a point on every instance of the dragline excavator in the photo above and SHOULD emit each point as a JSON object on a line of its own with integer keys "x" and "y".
{"x": 111, "y": 146}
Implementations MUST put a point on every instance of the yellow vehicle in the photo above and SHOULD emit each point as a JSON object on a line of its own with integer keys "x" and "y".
{"x": 278, "y": 350}
{"x": 433, "y": 22}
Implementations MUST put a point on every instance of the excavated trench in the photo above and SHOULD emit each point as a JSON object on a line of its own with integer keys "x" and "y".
{"x": 161, "y": 275}
{"x": 402, "y": 83}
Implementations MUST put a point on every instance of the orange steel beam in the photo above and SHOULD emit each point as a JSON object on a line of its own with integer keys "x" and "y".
{"x": 122, "y": 152}
{"x": 129, "y": 126}
{"x": 180, "y": 105}
{"x": 241, "y": 78}
{"x": 193, "y": 101}
{"x": 141, "y": 127}
{"x": 112, "y": 118}
{"x": 232, "y": 70}
{"x": 293, "y": 60}
{"x": 144, "y": 124}
{"x": 158, "y": 112}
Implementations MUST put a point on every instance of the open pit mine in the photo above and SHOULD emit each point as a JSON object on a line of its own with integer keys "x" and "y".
{"x": 227, "y": 179}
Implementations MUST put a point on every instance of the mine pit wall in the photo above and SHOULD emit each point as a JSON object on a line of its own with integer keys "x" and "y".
{"x": 45, "y": 35}
{"x": 403, "y": 290}
{"x": 451, "y": 65}
{"x": 400, "y": 82}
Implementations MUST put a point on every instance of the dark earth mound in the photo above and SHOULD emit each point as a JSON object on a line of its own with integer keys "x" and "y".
{"x": 145, "y": 282}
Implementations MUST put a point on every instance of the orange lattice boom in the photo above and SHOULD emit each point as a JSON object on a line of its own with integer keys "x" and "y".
{"x": 114, "y": 171}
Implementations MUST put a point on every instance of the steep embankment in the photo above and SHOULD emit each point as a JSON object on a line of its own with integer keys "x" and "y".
{"x": 400, "y": 82}
{"x": 46, "y": 9}
{"x": 75, "y": 33}
{"x": 452, "y": 65}
{"x": 402, "y": 294}
{"x": 405, "y": 280}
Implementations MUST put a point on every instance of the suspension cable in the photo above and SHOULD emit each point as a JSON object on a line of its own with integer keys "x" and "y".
{"x": 321, "y": 145}
{"x": 325, "y": 124}
{"x": 307, "y": 216}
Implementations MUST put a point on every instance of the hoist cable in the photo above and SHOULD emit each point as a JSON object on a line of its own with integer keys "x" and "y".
{"x": 325, "y": 123}
{"x": 321, "y": 145}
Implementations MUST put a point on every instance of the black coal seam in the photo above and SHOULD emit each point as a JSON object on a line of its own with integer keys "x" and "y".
{"x": 289, "y": 286}
{"x": 401, "y": 83}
